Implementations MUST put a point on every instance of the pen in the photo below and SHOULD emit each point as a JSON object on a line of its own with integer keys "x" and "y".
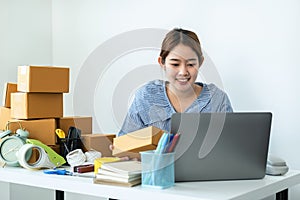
{"x": 157, "y": 150}
{"x": 165, "y": 143}
{"x": 174, "y": 142}
{"x": 169, "y": 142}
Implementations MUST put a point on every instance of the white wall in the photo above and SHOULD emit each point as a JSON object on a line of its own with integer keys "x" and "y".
{"x": 25, "y": 36}
{"x": 253, "y": 45}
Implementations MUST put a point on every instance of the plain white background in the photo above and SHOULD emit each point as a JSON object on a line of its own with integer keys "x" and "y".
{"x": 253, "y": 45}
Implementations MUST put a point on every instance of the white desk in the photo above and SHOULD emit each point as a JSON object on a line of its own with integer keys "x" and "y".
{"x": 211, "y": 190}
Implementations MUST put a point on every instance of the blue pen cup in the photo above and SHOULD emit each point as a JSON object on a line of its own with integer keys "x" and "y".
{"x": 157, "y": 169}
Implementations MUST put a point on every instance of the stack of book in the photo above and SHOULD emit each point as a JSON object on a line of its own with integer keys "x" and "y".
{"x": 122, "y": 173}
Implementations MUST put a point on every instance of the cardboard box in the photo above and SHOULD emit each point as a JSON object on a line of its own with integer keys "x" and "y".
{"x": 80, "y": 122}
{"x": 132, "y": 143}
{"x": 98, "y": 142}
{"x": 43, "y": 79}
{"x": 36, "y": 105}
{"x": 40, "y": 129}
{"x": 4, "y": 117}
{"x": 8, "y": 89}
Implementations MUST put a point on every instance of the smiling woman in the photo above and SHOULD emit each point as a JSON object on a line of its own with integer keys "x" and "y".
{"x": 154, "y": 103}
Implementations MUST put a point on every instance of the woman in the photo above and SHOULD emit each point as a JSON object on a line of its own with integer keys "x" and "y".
{"x": 154, "y": 103}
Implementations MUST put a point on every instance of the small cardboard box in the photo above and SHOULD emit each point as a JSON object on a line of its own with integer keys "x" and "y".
{"x": 98, "y": 142}
{"x": 40, "y": 129}
{"x": 43, "y": 79}
{"x": 8, "y": 89}
{"x": 36, "y": 105}
{"x": 80, "y": 122}
{"x": 132, "y": 143}
{"x": 4, "y": 117}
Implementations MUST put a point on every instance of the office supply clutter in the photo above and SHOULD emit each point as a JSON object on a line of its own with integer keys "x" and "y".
{"x": 122, "y": 173}
{"x": 70, "y": 142}
{"x": 158, "y": 165}
{"x": 63, "y": 171}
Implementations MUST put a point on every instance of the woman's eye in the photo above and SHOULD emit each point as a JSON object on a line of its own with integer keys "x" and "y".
{"x": 175, "y": 64}
{"x": 190, "y": 64}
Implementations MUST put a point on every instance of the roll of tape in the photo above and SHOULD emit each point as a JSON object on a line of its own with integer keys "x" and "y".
{"x": 92, "y": 155}
{"x": 76, "y": 157}
{"x": 42, "y": 161}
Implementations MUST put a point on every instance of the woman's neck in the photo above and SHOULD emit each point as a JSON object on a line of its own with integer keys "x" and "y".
{"x": 181, "y": 100}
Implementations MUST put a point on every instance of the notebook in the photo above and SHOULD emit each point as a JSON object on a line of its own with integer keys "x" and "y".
{"x": 221, "y": 146}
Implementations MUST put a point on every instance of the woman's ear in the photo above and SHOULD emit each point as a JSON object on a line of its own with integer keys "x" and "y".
{"x": 160, "y": 62}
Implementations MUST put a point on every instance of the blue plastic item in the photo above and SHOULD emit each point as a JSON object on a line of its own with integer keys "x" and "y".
{"x": 57, "y": 171}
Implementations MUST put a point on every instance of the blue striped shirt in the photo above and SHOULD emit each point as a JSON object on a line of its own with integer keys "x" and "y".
{"x": 151, "y": 106}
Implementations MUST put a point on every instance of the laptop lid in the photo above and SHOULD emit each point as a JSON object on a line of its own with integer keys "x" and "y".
{"x": 221, "y": 146}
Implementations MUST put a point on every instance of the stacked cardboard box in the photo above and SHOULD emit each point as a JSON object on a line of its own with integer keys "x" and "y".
{"x": 35, "y": 103}
{"x": 5, "y": 108}
{"x": 39, "y": 100}
{"x": 40, "y": 92}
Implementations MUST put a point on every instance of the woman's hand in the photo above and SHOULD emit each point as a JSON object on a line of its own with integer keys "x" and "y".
{"x": 111, "y": 147}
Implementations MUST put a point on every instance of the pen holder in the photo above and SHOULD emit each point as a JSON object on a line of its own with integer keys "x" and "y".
{"x": 157, "y": 169}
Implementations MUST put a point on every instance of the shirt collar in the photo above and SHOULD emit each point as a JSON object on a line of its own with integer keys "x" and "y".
{"x": 197, "y": 106}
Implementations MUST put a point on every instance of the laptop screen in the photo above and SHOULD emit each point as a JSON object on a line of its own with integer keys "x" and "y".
{"x": 221, "y": 146}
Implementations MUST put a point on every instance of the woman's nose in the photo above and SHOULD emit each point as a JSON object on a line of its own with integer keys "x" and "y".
{"x": 183, "y": 70}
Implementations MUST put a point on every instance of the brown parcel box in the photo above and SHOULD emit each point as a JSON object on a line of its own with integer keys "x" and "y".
{"x": 98, "y": 142}
{"x": 36, "y": 105}
{"x": 8, "y": 89}
{"x": 133, "y": 143}
{"x": 40, "y": 129}
{"x": 44, "y": 79}
{"x": 4, "y": 117}
{"x": 80, "y": 122}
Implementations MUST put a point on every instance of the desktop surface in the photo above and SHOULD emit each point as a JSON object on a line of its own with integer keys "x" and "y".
{"x": 202, "y": 190}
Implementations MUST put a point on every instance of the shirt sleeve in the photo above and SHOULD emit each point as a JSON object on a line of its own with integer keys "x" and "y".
{"x": 226, "y": 105}
{"x": 132, "y": 120}
{"x": 219, "y": 100}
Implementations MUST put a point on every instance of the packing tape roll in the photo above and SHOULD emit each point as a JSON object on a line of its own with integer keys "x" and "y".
{"x": 42, "y": 161}
{"x": 92, "y": 155}
{"x": 76, "y": 157}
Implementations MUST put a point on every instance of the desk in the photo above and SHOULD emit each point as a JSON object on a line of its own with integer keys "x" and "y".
{"x": 209, "y": 190}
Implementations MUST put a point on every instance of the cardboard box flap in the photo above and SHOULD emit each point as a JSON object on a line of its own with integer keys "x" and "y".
{"x": 134, "y": 142}
{"x": 8, "y": 89}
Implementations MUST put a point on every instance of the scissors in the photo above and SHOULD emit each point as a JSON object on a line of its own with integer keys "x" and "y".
{"x": 61, "y": 134}
{"x": 58, "y": 172}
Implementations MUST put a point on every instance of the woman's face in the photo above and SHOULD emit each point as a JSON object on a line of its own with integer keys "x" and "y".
{"x": 181, "y": 67}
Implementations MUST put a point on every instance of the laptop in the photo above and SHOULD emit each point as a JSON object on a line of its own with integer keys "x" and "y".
{"x": 221, "y": 146}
